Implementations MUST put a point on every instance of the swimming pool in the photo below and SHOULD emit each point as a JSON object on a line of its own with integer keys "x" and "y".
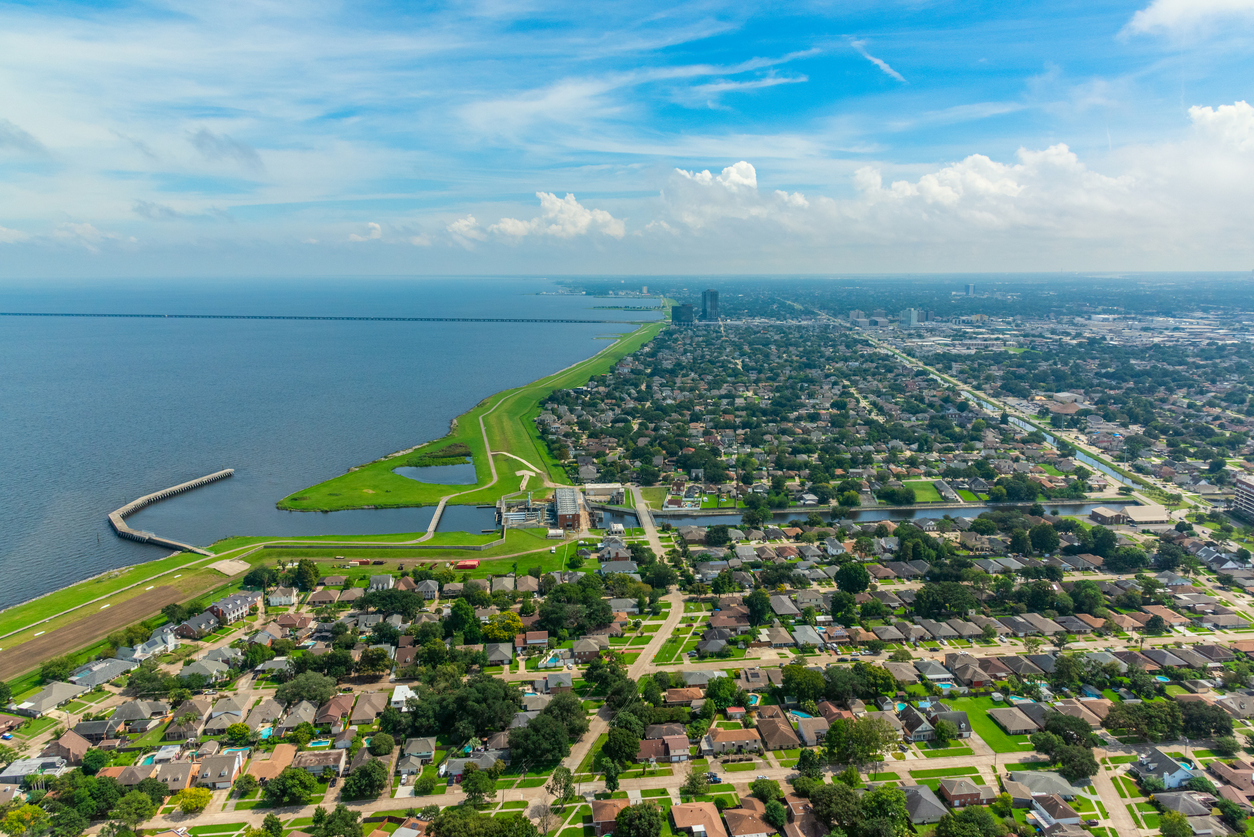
{"x": 753, "y": 700}
{"x": 902, "y": 706}
{"x": 1162, "y": 679}
{"x": 236, "y": 750}
{"x": 148, "y": 759}
{"x": 799, "y": 714}
{"x": 945, "y": 687}
{"x": 321, "y": 742}
{"x": 1017, "y": 699}
{"x": 266, "y": 732}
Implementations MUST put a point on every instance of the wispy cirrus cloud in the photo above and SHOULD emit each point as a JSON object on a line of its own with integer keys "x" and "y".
{"x": 223, "y": 147}
{"x": 15, "y": 138}
{"x": 860, "y": 48}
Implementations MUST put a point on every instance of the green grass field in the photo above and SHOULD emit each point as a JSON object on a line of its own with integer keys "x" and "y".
{"x": 508, "y": 422}
{"x": 986, "y": 728}
{"x": 924, "y": 491}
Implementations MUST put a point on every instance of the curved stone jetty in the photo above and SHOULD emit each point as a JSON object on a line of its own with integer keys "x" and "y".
{"x": 117, "y": 518}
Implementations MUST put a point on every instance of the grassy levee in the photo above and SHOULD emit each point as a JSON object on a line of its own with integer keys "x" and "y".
{"x": 508, "y": 422}
{"x": 77, "y": 595}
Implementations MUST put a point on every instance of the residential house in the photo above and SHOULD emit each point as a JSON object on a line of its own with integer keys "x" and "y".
{"x": 282, "y": 597}
{"x": 316, "y": 761}
{"x": 219, "y": 771}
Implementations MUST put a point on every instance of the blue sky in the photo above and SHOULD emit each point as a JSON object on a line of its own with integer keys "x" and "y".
{"x": 179, "y": 138}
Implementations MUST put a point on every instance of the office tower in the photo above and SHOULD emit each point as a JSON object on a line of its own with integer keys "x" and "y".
{"x": 709, "y": 305}
{"x": 970, "y": 289}
{"x": 909, "y": 318}
{"x": 682, "y": 314}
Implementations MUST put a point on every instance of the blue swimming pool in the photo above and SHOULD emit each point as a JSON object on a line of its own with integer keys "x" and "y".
{"x": 802, "y": 714}
{"x": 1162, "y": 679}
{"x": 266, "y": 733}
{"x": 321, "y": 742}
{"x": 901, "y": 706}
{"x": 1017, "y": 699}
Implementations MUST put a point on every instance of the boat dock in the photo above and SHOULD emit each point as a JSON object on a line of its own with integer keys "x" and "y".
{"x": 117, "y": 518}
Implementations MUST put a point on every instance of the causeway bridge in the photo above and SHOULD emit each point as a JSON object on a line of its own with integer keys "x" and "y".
{"x": 117, "y": 518}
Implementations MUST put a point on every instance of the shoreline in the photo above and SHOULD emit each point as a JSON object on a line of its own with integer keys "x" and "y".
{"x": 501, "y": 429}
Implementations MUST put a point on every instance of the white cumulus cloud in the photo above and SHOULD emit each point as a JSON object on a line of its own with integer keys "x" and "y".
{"x": 8, "y": 236}
{"x": 1184, "y": 201}
{"x": 561, "y": 218}
{"x": 466, "y": 231}
{"x": 1176, "y": 16}
{"x": 375, "y": 233}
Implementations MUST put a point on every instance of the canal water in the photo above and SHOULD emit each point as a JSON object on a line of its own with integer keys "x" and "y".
{"x": 858, "y": 515}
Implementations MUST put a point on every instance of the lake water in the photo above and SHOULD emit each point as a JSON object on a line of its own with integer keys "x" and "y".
{"x": 463, "y": 474}
{"x": 96, "y": 412}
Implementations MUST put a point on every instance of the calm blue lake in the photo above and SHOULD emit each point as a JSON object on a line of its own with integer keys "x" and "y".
{"x": 96, "y": 412}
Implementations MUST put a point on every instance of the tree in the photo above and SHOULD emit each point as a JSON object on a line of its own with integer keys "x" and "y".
{"x": 24, "y": 820}
{"x": 68, "y": 822}
{"x": 272, "y": 825}
{"x": 695, "y": 784}
{"x": 1076, "y": 763}
{"x": 94, "y": 761}
{"x": 310, "y": 685}
{"x": 852, "y": 577}
{"x": 808, "y": 764}
{"x": 888, "y": 807}
{"x": 946, "y": 731}
{"x": 503, "y": 627}
{"x": 306, "y": 575}
{"x": 133, "y": 809}
{"x": 381, "y": 744}
{"x": 561, "y": 784}
{"x": 374, "y": 661}
{"x": 194, "y": 800}
{"x": 1226, "y": 745}
{"x": 943, "y": 599}
{"x": 765, "y": 789}
{"x": 1205, "y": 720}
{"x": 759, "y": 605}
{"x": 1071, "y": 730}
{"x": 776, "y": 814}
{"x": 291, "y": 787}
{"x": 1156, "y": 625}
{"x": 972, "y": 821}
{"x": 1174, "y": 824}
{"x": 802, "y": 683}
{"x": 245, "y": 784}
{"x": 238, "y": 733}
{"x": 58, "y": 668}
{"x": 622, "y": 745}
{"x": 367, "y": 781}
{"x": 837, "y": 806}
{"x": 341, "y": 822}
{"x": 479, "y": 786}
{"x": 1044, "y": 538}
{"x": 642, "y": 820}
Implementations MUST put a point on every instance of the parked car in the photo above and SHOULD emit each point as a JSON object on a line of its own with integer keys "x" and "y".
{"x": 716, "y": 780}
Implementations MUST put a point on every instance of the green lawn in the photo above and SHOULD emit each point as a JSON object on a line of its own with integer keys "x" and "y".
{"x": 742, "y": 767}
{"x": 924, "y": 491}
{"x": 944, "y": 772}
{"x": 986, "y": 728}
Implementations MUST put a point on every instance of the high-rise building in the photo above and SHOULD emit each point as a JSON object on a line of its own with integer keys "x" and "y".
{"x": 909, "y": 318}
{"x": 970, "y": 289}
{"x": 855, "y": 314}
{"x": 1244, "y": 502}
{"x": 682, "y": 314}
{"x": 709, "y": 305}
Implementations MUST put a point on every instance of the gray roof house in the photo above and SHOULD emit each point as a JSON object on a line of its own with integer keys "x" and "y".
{"x": 49, "y": 698}
{"x": 922, "y": 805}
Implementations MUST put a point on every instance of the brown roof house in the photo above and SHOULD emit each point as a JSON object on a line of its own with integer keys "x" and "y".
{"x": 604, "y": 814}
{"x": 748, "y": 819}
{"x": 70, "y": 746}
{"x": 697, "y": 819}
{"x": 335, "y": 710}
{"x": 731, "y": 741}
